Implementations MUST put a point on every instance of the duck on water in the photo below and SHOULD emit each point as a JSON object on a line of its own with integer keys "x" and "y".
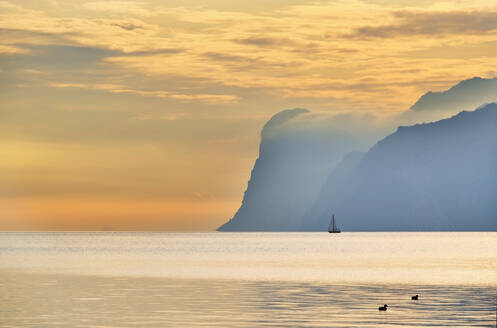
{"x": 384, "y": 307}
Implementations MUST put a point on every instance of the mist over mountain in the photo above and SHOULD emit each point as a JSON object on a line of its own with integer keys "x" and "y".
{"x": 297, "y": 152}
{"x": 321, "y": 211}
{"x": 436, "y": 176}
{"x": 467, "y": 94}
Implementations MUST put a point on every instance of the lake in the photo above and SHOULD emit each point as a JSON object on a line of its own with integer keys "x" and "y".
{"x": 126, "y": 279}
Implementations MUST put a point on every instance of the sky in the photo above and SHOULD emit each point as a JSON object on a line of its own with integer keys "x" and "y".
{"x": 146, "y": 115}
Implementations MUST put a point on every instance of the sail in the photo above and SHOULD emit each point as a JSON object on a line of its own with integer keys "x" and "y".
{"x": 333, "y": 227}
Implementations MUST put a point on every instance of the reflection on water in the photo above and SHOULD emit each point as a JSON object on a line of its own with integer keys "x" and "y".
{"x": 417, "y": 258}
{"x": 38, "y": 300}
{"x": 247, "y": 280}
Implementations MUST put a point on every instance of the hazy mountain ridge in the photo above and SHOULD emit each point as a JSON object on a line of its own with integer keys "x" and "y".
{"x": 287, "y": 177}
{"x": 320, "y": 210}
{"x": 434, "y": 176}
{"x": 467, "y": 94}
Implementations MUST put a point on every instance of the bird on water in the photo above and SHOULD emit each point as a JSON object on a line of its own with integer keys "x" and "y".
{"x": 383, "y": 308}
{"x": 415, "y": 297}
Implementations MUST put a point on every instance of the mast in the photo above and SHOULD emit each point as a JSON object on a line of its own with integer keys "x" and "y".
{"x": 333, "y": 227}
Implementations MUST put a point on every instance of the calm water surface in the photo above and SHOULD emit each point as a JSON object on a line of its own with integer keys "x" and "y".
{"x": 247, "y": 279}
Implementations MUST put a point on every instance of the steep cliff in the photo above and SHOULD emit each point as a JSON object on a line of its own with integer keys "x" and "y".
{"x": 294, "y": 162}
{"x": 436, "y": 176}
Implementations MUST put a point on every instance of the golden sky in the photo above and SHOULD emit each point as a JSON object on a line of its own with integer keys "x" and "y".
{"x": 146, "y": 114}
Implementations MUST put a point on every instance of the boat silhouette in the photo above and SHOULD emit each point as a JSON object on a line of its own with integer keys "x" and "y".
{"x": 333, "y": 227}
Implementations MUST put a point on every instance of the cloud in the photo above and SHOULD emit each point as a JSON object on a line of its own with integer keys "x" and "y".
{"x": 84, "y": 54}
{"x": 294, "y": 52}
{"x": 7, "y": 49}
{"x": 118, "y": 7}
{"x": 151, "y": 52}
{"x": 431, "y": 23}
{"x": 121, "y": 89}
{"x": 261, "y": 41}
{"x": 128, "y": 26}
{"x": 466, "y": 51}
{"x": 217, "y": 56}
{"x": 55, "y": 59}
{"x": 13, "y": 36}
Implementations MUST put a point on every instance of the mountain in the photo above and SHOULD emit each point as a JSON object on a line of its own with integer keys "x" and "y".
{"x": 466, "y": 94}
{"x": 296, "y": 154}
{"x": 305, "y": 170}
{"x": 436, "y": 176}
{"x": 320, "y": 211}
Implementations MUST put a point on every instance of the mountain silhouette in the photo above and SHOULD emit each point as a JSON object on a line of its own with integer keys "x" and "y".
{"x": 467, "y": 94}
{"x": 435, "y": 176}
{"x": 289, "y": 173}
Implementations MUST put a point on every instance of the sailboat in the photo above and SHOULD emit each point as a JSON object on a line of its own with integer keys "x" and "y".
{"x": 333, "y": 227}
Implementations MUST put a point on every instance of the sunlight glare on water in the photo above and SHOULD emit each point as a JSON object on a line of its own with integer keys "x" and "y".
{"x": 247, "y": 279}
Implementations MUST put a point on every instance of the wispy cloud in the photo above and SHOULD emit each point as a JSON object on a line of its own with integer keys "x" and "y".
{"x": 264, "y": 41}
{"x": 324, "y": 52}
{"x": 128, "y": 26}
{"x": 8, "y": 49}
{"x": 120, "y": 89}
{"x": 218, "y": 56}
{"x": 431, "y": 23}
{"x": 152, "y": 52}
{"x": 119, "y": 7}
